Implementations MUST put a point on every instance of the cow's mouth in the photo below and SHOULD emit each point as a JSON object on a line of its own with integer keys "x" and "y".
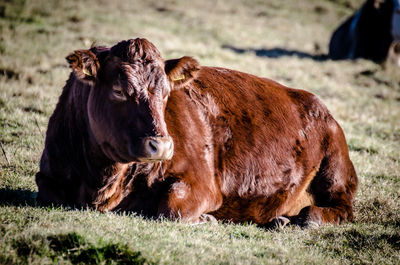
{"x": 149, "y": 160}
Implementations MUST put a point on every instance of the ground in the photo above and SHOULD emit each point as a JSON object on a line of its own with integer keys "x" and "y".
{"x": 283, "y": 40}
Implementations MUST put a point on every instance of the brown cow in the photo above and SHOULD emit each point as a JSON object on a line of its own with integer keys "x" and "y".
{"x": 244, "y": 148}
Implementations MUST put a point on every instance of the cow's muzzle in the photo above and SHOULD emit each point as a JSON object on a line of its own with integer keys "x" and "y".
{"x": 157, "y": 149}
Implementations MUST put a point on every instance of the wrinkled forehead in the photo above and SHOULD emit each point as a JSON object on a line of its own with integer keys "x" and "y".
{"x": 136, "y": 51}
{"x": 135, "y": 65}
{"x": 132, "y": 55}
{"x": 136, "y": 58}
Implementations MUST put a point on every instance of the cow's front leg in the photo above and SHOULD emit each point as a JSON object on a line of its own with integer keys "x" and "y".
{"x": 188, "y": 200}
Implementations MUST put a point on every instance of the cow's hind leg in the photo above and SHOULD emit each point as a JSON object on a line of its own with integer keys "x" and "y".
{"x": 333, "y": 190}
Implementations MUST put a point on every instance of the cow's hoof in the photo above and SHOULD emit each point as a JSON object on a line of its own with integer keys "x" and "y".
{"x": 204, "y": 219}
{"x": 312, "y": 224}
{"x": 208, "y": 218}
{"x": 309, "y": 217}
{"x": 277, "y": 223}
{"x": 306, "y": 223}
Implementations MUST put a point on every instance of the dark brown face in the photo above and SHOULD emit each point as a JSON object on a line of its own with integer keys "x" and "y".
{"x": 126, "y": 110}
{"x": 130, "y": 84}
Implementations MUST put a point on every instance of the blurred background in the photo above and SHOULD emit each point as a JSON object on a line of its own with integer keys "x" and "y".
{"x": 287, "y": 41}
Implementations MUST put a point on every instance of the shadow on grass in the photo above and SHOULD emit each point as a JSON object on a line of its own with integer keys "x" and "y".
{"x": 17, "y": 197}
{"x": 277, "y": 53}
{"x": 74, "y": 248}
{"x": 357, "y": 245}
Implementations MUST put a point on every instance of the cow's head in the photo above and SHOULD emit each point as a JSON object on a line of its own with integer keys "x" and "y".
{"x": 129, "y": 87}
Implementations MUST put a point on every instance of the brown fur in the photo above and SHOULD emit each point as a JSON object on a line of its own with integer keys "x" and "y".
{"x": 245, "y": 148}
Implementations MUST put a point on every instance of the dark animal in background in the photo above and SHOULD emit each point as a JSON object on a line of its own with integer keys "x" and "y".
{"x": 366, "y": 34}
{"x": 132, "y": 132}
{"x": 393, "y": 57}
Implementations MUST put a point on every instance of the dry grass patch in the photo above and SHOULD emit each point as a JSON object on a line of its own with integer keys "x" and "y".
{"x": 282, "y": 40}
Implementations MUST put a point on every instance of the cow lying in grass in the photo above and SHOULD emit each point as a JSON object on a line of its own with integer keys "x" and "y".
{"x": 132, "y": 132}
{"x": 368, "y": 33}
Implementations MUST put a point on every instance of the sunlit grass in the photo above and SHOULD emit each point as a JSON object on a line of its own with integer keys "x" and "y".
{"x": 35, "y": 37}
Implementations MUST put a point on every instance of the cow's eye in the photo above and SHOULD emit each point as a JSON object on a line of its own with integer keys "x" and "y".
{"x": 118, "y": 92}
{"x": 118, "y": 95}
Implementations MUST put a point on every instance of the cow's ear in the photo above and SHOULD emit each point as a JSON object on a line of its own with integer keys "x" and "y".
{"x": 181, "y": 71}
{"x": 85, "y": 64}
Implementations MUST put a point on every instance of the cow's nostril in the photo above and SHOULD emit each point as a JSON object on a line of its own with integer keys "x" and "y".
{"x": 157, "y": 148}
{"x": 153, "y": 146}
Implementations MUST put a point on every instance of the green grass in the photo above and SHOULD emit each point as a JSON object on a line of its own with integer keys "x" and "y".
{"x": 35, "y": 37}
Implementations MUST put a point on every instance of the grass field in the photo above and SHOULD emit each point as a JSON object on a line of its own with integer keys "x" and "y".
{"x": 282, "y": 40}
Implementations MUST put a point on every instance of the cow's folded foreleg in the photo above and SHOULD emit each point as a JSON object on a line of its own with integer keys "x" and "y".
{"x": 188, "y": 200}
